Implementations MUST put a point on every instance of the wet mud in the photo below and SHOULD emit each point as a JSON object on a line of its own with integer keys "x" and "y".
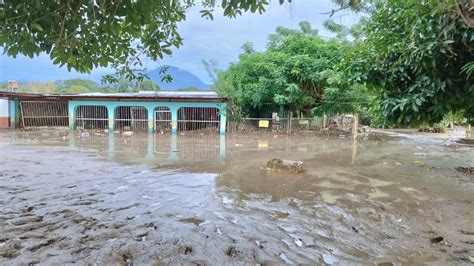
{"x": 207, "y": 199}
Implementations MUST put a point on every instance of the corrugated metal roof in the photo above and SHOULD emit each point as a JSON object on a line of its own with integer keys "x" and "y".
{"x": 143, "y": 95}
{"x": 164, "y": 94}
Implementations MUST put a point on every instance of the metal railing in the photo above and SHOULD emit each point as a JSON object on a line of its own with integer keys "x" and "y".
{"x": 287, "y": 125}
{"x": 199, "y": 118}
{"x": 91, "y": 117}
{"x": 131, "y": 118}
{"x": 44, "y": 114}
{"x": 162, "y": 119}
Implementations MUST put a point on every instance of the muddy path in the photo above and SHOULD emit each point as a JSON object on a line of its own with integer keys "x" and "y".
{"x": 151, "y": 200}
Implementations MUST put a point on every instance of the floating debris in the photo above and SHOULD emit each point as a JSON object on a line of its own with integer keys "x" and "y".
{"x": 294, "y": 167}
{"x": 195, "y": 221}
{"x": 127, "y": 133}
{"x": 285, "y": 258}
{"x": 467, "y": 170}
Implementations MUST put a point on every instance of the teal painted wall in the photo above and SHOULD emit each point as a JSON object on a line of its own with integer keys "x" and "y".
{"x": 150, "y": 106}
{"x": 14, "y": 113}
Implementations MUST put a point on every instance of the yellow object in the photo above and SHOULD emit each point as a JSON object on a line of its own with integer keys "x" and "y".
{"x": 262, "y": 144}
{"x": 263, "y": 123}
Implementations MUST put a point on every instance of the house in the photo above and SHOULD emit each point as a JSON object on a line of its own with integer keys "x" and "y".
{"x": 143, "y": 111}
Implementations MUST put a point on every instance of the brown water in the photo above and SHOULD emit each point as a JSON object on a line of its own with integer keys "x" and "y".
{"x": 146, "y": 200}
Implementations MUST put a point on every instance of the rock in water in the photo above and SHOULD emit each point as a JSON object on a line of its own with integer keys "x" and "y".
{"x": 294, "y": 167}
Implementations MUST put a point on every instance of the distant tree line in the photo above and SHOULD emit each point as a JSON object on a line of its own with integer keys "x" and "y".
{"x": 74, "y": 86}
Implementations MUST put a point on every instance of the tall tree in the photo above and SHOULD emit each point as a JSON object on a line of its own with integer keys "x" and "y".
{"x": 85, "y": 34}
{"x": 415, "y": 52}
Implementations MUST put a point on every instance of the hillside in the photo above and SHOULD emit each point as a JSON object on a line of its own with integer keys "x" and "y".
{"x": 181, "y": 79}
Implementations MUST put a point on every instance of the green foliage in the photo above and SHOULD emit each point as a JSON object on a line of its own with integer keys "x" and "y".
{"x": 148, "y": 85}
{"x": 76, "y": 86}
{"x": 109, "y": 33}
{"x": 413, "y": 53}
{"x": 298, "y": 71}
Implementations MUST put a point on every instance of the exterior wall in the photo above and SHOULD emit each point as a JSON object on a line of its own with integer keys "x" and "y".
{"x": 173, "y": 106}
{"x": 4, "y": 114}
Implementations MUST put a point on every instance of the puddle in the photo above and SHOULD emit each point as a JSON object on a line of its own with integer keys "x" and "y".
{"x": 208, "y": 199}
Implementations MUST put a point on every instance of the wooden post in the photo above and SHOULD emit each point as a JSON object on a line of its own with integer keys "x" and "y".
{"x": 290, "y": 115}
{"x": 324, "y": 121}
{"x": 355, "y": 127}
{"x": 468, "y": 132}
{"x": 354, "y": 151}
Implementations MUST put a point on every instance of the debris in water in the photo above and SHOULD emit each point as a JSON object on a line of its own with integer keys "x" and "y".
{"x": 293, "y": 167}
{"x": 467, "y": 170}
{"x": 436, "y": 239}
{"x": 420, "y": 153}
{"x": 195, "y": 221}
{"x": 85, "y": 135}
{"x": 281, "y": 214}
{"x": 127, "y": 133}
{"x": 285, "y": 258}
{"x": 299, "y": 243}
{"x": 232, "y": 252}
{"x": 226, "y": 200}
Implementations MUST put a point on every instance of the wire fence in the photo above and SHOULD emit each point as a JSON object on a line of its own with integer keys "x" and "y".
{"x": 288, "y": 125}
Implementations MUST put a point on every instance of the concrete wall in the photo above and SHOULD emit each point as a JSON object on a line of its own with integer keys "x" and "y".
{"x": 173, "y": 106}
{"x": 4, "y": 113}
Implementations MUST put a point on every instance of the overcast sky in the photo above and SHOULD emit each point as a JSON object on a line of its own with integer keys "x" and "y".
{"x": 219, "y": 39}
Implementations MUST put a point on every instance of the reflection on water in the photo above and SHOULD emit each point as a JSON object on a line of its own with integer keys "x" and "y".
{"x": 139, "y": 148}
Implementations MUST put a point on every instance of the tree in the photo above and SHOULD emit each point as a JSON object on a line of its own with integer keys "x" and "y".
{"x": 148, "y": 85}
{"x": 85, "y": 34}
{"x": 416, "y": 54}
{"x": 76, "y": 86}
{"x": 289, "y": 73}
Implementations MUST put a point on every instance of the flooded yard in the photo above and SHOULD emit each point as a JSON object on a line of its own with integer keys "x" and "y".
{"x": 207, "y": 199}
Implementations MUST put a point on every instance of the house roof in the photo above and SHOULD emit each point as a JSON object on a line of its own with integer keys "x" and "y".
{"x": 160, "y": 96}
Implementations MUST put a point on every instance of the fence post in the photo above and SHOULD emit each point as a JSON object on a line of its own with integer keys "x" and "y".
{"x": 15, "y": 113}
{"x": 174, "y": 120}
{"x": 223, "y": 118}
{"x": 111, "y": 116}
{"x": 468, "y": 133}
{"x": 290, "y": 115}
{"x": 71, "y": 109}
{"x": 355, "y": 127}
{"x": 324, "y": 121}
{"x": 151, "y": 118}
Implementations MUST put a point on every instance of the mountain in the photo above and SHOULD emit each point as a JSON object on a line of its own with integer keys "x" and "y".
{"x": 181, "y": 79}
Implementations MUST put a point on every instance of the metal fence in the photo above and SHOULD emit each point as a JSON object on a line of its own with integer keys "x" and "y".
{"x": 131, "y": 118}
{"x": 199, "y": 118}
{"x": 162, "y": 119}
{"x": 44, "y": 114}
{"x": 91, "y": 117}
{"x": 337, "y": 122}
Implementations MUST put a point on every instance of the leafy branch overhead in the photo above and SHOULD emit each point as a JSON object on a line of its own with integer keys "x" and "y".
{"x": 86, "y": 34}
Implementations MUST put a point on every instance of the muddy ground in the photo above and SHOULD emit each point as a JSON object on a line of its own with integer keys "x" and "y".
{"x": 150, "y": 200}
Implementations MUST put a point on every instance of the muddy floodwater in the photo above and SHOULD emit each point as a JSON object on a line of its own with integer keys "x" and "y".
{"x": 105, "y": 199}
